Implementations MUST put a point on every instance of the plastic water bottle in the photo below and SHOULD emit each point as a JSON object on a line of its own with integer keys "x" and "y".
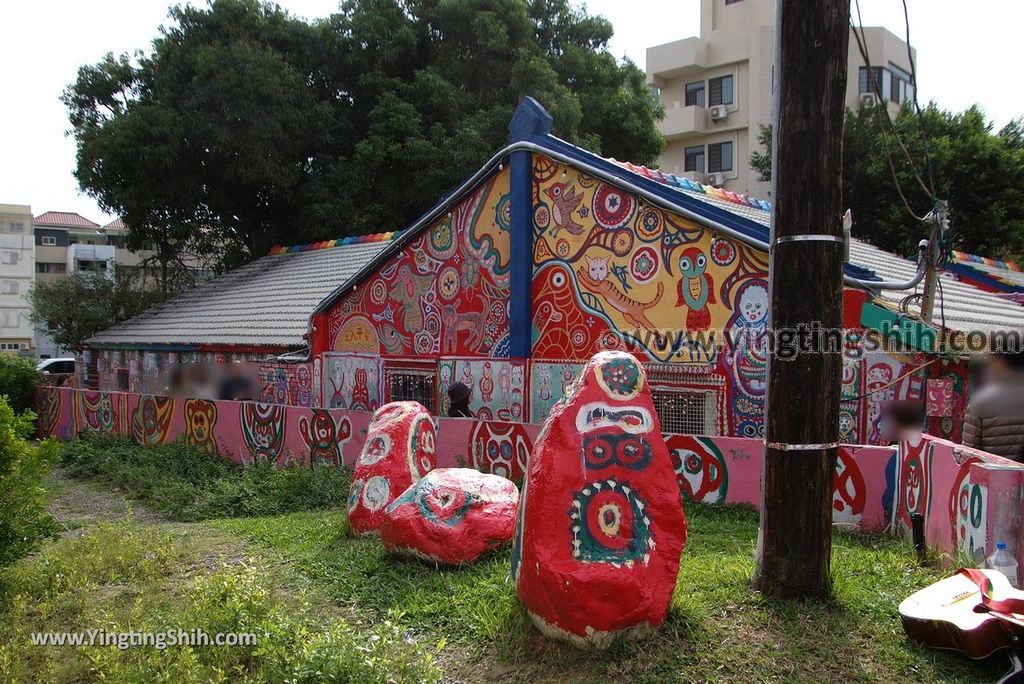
{"x": 1004, "y": 562}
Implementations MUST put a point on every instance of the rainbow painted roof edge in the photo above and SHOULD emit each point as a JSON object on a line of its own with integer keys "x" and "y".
{"x": 339, "y": 242}
{"x": 965, "y": 258}
{"x": 686, "y": 184}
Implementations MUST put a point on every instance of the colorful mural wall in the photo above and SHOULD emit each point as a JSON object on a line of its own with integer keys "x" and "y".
{"x": 444, "y": 294}
{"x": 498, "y": 387}
{"x": 352, "y": 381}
{"x": 288, "y": 383}
{"x": 708, "y": 469}
{"x": 605, "y": 261}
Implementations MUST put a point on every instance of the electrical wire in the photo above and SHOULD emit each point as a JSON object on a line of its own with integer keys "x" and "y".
{"x": 859, "y": 36}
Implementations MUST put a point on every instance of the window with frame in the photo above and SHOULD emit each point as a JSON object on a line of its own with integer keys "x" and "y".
{"x": 865, "y": 84}
{"x": 693, "y": 159}
{"x": 48, "y": 241}
{"x": 9, "y": 286}
{"x": 720, "y": 157}
{"x": 684, "y": 412}
{"x": 15, "y": 227}
{"x": 695, "y": 94}
{"x": 405, "y": 384}
{"x": 9, "y": 258}
{"x": 720, "y": 91}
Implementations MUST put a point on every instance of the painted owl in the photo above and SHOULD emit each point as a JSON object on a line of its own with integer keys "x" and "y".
{"x": 696, "y": 289}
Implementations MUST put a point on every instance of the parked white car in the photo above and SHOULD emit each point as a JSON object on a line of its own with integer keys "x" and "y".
{"x": 65, "y": 365}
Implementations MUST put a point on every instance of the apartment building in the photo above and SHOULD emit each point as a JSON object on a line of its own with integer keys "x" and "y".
{"x": 717, "y": 90}
{"x": 17, "y": 258}
{"x": 66, "y": 242}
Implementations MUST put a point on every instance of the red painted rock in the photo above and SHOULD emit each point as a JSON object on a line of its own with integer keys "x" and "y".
{"x": 601, "y": 524}
{"x": 451, "y": 516}
{"x": 398, "y": 451}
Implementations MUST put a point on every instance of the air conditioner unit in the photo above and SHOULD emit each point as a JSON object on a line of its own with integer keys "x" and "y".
{"x": 715, "y": 179}
{"x": 718, "y": 112}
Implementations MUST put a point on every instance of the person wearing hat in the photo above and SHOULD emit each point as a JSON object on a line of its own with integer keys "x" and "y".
{"x": 458, "y": 401}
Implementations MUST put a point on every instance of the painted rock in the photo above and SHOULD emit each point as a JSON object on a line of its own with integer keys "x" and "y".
{"x": 451, "y": 516}
{"x": 601, "y": 525}
{"x": 398, "y": 451}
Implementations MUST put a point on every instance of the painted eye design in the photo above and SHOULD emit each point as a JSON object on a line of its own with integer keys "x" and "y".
{"x": 685, "y": 264}
{"x": 558, "y": 279}
{"x": 701, "y": 260}
{"x": 556, "y": 191}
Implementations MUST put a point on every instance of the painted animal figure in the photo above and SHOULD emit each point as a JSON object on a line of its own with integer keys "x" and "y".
{"x": 409, "y": 289}
{"x": 595, "y": 279}
{"x": 696, "y": 289}
{"x": 564, "y": 201}
{"x": 455, "y": 322}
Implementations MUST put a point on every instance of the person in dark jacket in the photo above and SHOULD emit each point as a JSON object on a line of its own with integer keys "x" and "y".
{"x": 995, "y": 416}
{"x": 458, "y": 398}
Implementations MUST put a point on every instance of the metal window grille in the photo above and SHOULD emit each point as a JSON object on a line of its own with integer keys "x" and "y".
{"x": 684, "y": 412}
{"x": 412, "y": 385}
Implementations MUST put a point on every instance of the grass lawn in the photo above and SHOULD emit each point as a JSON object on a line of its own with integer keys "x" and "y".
{"x": 717, "y": 630}
{"x": 334, "y": 608}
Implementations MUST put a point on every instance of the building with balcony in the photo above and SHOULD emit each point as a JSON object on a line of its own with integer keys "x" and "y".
{"x": 717, "y": 90}
{"x": 17, "y": 259}
{"x": 66, "y": 242}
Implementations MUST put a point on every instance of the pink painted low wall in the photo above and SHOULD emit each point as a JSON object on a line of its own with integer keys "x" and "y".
{"x": 970, "y": 499}
{"x": 709, "y": 469}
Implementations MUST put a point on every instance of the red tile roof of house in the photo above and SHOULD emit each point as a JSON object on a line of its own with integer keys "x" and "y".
{"x": 64, "y": 219}
{"x": 117, "y": 224}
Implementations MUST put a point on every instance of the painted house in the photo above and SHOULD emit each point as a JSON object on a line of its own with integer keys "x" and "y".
{"x": 544, "y": 256}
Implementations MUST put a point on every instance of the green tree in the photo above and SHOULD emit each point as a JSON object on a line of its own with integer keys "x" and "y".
{"x": 244, "y": 126}
{"x": 18, "y": 378}
{"x": 761, "y": 159}
{"x": 74, "y": 308}
{"x": 979, "y": 172}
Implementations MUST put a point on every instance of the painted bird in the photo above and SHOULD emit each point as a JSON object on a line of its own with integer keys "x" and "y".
{"x": 564, "y": 201}
{"x": 696, "y": 289}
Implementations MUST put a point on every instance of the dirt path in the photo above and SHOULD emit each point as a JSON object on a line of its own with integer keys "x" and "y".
{"x": 77, "y": 504}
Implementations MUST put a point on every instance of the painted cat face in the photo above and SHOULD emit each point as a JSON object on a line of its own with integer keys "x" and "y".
{"x": 597, "y": 268}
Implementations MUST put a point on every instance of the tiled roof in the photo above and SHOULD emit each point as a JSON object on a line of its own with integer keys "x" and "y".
{"x": 64, "y": 219}
{"x": 116, "y": 224}
{"x": 267, "y": 302}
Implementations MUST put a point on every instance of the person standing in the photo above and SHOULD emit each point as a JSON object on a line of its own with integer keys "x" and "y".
{"x": 995, "y": 416}
{"x": 458, "y": 401}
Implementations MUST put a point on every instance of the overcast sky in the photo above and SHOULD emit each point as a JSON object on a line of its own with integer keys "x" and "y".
{"x": 967, "y": 53}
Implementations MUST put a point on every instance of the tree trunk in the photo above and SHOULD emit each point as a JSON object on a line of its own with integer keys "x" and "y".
{"x": 802, "y": 412}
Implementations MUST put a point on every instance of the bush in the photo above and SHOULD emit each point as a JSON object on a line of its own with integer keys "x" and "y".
{"x": 23, "y": 518}
{"x": 186, "y": 484}
{"x": 18, "y": 381}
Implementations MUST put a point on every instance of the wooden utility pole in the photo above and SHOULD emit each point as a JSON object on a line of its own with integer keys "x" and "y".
{"x": 806, "y": 275}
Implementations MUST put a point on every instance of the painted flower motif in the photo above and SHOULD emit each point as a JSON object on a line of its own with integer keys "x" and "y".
{"x": 722, "y": 252}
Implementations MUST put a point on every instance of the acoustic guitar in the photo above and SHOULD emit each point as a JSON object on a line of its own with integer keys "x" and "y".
{"x": 976, "y": 612}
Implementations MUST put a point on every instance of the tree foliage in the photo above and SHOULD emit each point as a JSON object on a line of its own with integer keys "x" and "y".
{"x": 18, "y": 378}
{"x": 979, "y": 172}
{"x": 244, "y": 126}
{"x": 73, "y": 308}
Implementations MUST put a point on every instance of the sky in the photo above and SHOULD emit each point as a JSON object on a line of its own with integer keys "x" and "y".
{"x": 967, "y": 54}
